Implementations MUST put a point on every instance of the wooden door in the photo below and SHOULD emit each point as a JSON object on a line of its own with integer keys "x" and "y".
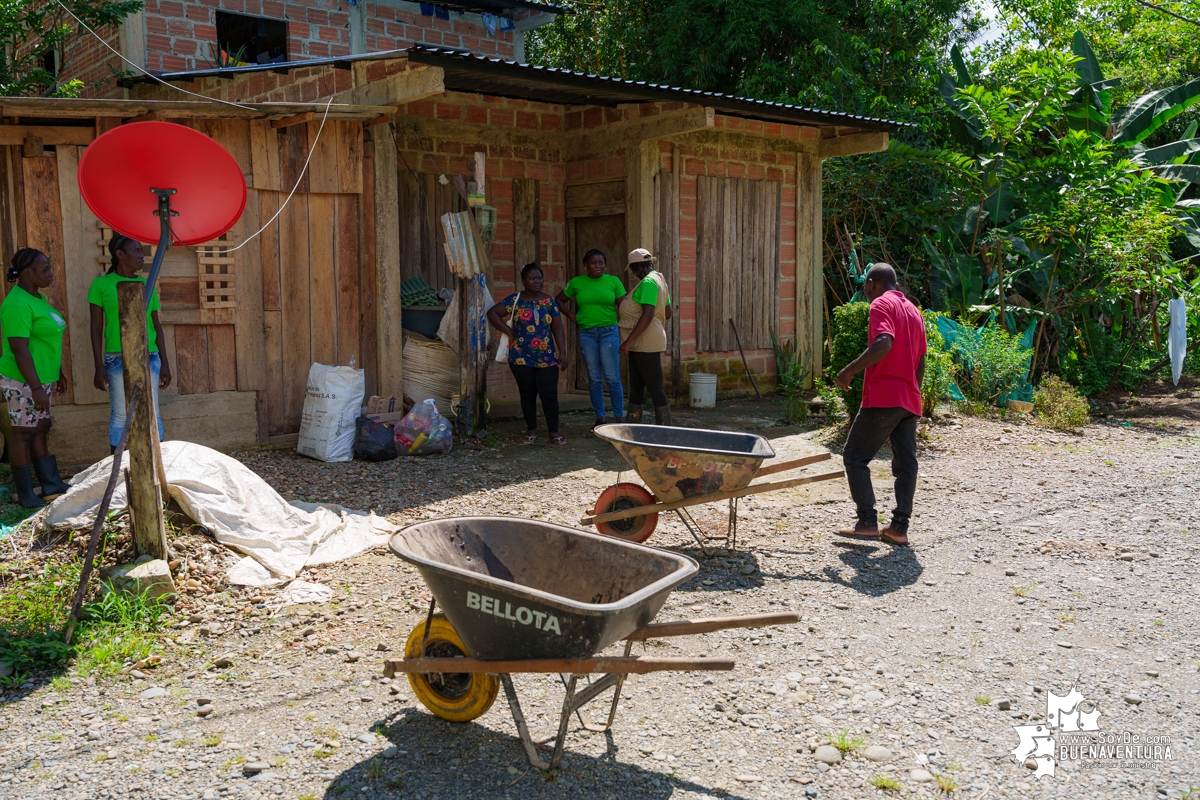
{"x": 605, "y": 233}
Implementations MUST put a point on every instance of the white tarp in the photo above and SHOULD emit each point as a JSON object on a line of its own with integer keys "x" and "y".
{"x": 242, "y": 511}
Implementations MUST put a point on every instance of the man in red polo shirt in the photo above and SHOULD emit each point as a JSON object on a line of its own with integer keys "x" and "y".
{"x": 891, "y": 405}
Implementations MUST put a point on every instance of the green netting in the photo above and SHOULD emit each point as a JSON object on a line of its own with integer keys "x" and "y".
{"x": 951, "y": 331}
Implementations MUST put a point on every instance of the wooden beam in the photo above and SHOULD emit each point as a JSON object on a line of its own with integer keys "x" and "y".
{"x": 617, "y": 665}
{"x": 77, "y": 108}
{"x": 384, "y": 120}
{"x": 739, "y": 140}
{"x": 150, "y": 116}
{"x": 295, "y": 119}
{"x": 145, "y": 493}
{"x": 415, "y": 83}
{"x": 588, "y": 142}
{"x": 389, "y": 334}
{"x": 16, "y": 134}
{"x": 853, "y": 144}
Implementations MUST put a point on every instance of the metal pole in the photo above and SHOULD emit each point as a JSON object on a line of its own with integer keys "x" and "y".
{"x": 753, "y": 382}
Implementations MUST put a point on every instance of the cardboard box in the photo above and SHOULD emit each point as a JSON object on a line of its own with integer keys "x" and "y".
{"x": 388, "y": 409}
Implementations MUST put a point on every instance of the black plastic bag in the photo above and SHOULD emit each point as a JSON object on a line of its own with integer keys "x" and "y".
{"x": 374, "y": 441}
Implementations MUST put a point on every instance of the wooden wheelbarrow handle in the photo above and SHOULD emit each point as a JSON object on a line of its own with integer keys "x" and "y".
{"x": 618, "y": 665}
{"x": 687, "y": 627}
{"x": 784, "y": 466}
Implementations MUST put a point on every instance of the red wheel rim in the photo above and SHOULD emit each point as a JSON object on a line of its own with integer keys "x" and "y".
{"x": 618, "y": 497}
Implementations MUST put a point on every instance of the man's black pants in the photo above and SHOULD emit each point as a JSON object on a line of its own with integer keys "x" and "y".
{"x": 871, "y": 428}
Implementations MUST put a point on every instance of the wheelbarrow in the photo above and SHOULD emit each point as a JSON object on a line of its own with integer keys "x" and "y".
{"x": 522, "y": 596}
{"x": 687, "y": 467}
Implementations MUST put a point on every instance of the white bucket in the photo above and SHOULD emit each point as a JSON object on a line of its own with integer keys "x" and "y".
{"x": 703, "y": 388}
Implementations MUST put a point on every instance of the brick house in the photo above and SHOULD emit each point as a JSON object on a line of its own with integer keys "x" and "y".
{"x": 726, "y": 191}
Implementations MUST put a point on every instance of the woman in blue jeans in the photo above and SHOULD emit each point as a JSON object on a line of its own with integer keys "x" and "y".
{"x": 595, "y": 295}
{"x": 127, "y": 261}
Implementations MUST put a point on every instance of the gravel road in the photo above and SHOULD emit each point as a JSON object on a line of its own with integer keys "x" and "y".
{"x": 1041, "y": 562}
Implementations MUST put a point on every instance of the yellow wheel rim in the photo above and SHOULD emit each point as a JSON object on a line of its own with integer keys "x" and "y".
{"x": 455, "y": 697}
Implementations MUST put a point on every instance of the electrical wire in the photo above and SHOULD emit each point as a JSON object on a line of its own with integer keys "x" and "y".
{"x": 312, "y": 148}
{"x": 143, "y": 70}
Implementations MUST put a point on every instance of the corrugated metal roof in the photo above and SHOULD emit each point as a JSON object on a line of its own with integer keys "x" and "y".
{"x": 496, "y": 6}
{"x": 469, "y": 72}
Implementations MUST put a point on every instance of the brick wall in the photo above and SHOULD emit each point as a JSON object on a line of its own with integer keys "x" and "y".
{"x": 555, "y": 169}
{"x": 180, "y": 34}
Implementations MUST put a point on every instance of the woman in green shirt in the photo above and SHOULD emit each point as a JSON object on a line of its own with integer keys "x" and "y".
{"x": 30, "y": 359}
{"x": 127, "y": 261}
{"x": 595, "y": 295}
{"x": 644, "y": 313}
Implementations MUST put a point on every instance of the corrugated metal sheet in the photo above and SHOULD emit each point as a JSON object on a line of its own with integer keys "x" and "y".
{"x": 465, "y": 249}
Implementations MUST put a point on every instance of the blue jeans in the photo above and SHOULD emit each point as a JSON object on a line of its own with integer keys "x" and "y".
{"x": 116, "y": 394}
{"x": 600, "y": 354}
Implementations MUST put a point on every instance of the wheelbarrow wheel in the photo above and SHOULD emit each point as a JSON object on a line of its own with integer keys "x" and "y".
{"x": 622, "y": 496}
{"x": 455, "y": 697}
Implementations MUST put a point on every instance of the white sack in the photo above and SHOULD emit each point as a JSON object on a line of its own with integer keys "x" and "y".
{"x": 240, "y": 509}
{"x": 1177, "y": 338}
{"x": 332, "y": 399}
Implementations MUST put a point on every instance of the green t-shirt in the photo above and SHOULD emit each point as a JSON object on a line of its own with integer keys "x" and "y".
{"x": 646, "y": 293}
{"x": 103, "y": 293}
{"x": 28, "y": 316}
{"x": 596, "y": 299}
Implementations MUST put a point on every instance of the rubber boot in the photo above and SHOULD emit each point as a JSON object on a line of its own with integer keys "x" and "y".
{"x": 46, "y": 469}
{"x": 662, "y": 415}
{"x": 634, "y": 414}
{"x": 23, "y": 480}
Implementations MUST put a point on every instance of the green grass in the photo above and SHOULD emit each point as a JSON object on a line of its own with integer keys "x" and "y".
{"x": 212, "y": 740}
{"x": 885, "y": 782}
{"x": 946, "y": 783}
{"x": 1024, "y": 591}
{"x": 374, "y": 769}
{"x": 982, "y": 699}
{"x": 115, "y": 628}
{"x": 844, "y": 742}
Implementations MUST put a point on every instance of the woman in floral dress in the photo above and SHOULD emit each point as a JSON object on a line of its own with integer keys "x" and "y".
{"x": 535, "y": 340}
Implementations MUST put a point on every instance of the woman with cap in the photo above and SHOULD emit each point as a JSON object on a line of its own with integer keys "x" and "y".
{"x": 31, "y": 360}
{"x": 642, "y": 319}
{"x": 127, "y": 261}
{"x": 533, "y": 324}
{"x": 595, "y": 296}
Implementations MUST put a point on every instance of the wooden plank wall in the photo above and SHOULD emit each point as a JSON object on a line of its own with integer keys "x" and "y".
{"x": 737, "y": 262}
{"x": 527, "y": 226}
{"x": 422, "y": 202}
{"x": 305, "y": 290}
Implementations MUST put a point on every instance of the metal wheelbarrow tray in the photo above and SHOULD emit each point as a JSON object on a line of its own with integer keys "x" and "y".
{"x": 523, "y": 596}
{"x": 515, "y": 588}
{"x": 685, "y": 467}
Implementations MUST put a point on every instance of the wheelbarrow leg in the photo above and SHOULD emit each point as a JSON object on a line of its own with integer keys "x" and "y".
{"x": 563, "y": 719}
{"x": 693, "y": 528}
{"x": 731, "y": 528}
{"x": 514, "y": 705}
{"x": 599, "y": 686}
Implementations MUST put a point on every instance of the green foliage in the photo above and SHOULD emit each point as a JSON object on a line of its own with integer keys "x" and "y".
{"x": 940, "y": 368}
{"x": 31, "y": 28}
{"x": 793, "y": 371}
{"x": 118, "y": 627}
{"x": 1061, "y": 215}
{"x": 832, "y": 398}
{"x": 991, "y": 363}
{"x": 849, "y": 338}
{"x": 1057, "y": 405}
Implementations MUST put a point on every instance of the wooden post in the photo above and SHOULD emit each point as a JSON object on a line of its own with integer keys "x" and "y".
{"x": 145, "y": 497}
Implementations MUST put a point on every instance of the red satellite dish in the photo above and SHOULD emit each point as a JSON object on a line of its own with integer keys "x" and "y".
{"x": 120, "y": 168}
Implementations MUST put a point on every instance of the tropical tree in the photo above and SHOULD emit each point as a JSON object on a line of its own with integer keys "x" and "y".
{"x": 1064, "y": 216}
{"x": 36, "y": 38}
